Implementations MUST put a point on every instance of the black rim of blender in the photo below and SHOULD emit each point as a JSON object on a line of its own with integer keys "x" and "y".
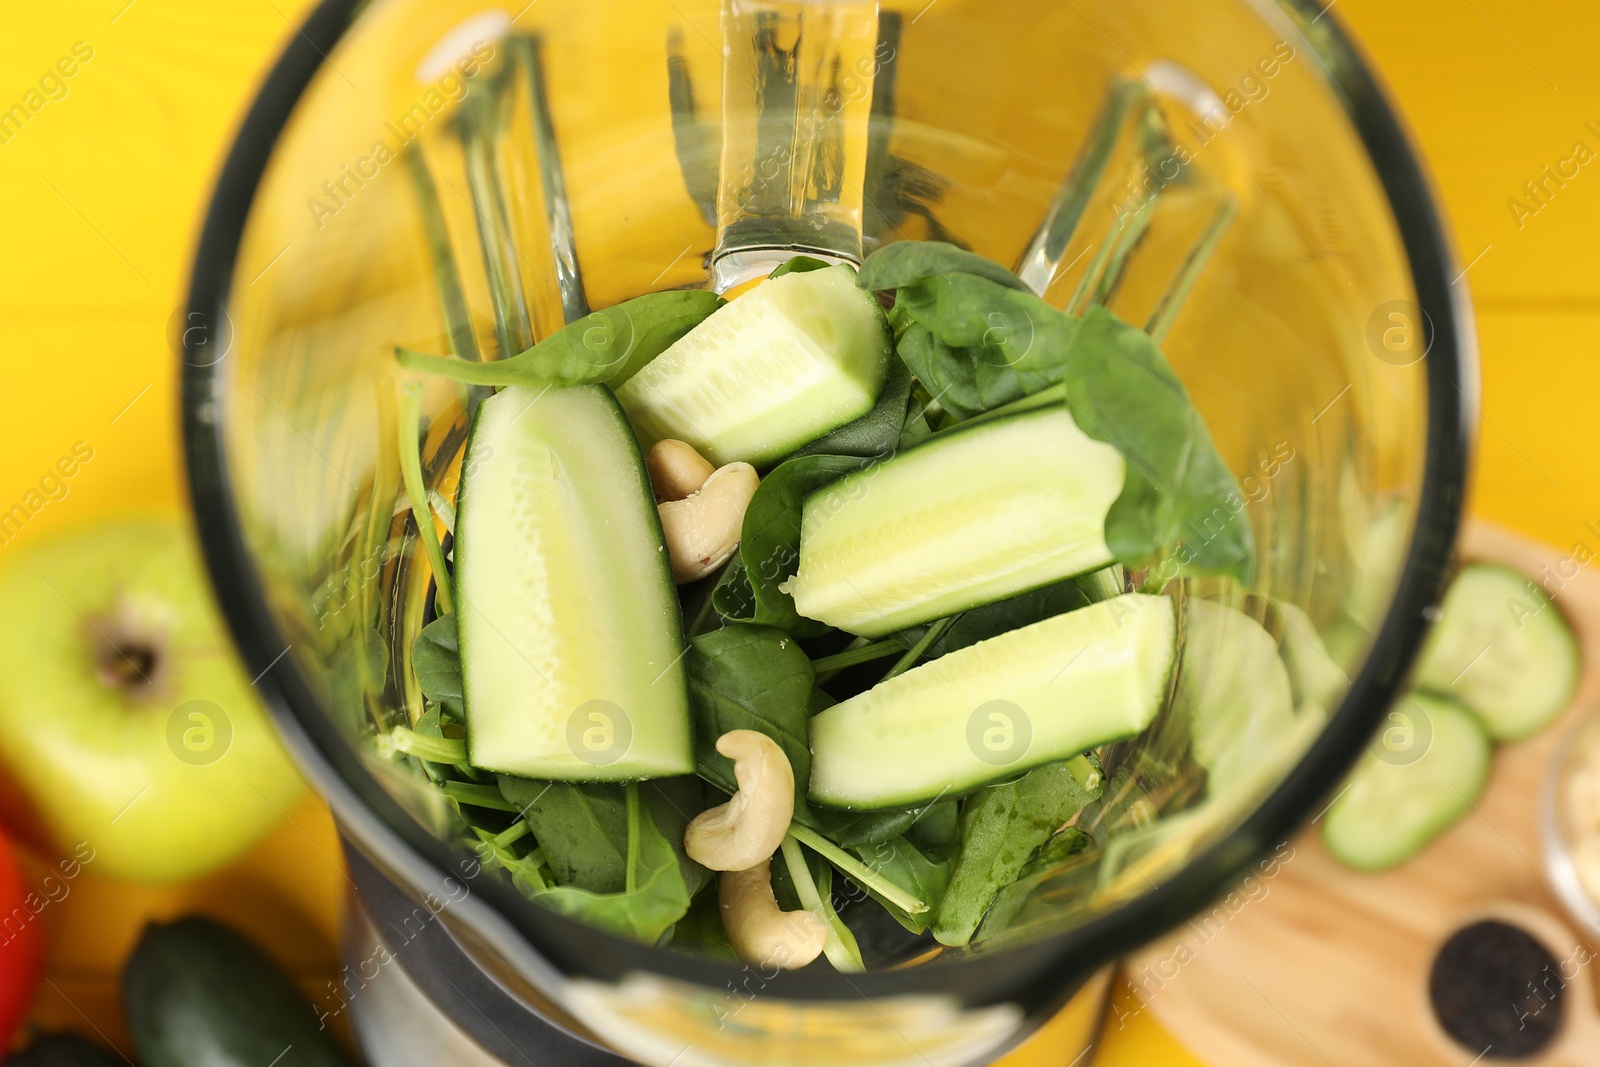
{"x": 1037, "y": 974}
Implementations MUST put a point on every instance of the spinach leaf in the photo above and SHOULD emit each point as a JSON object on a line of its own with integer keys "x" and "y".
{"x": 1014, "y": 343}
{"x": 673, "y": 803}
{"x": 799, "y": 265}
{"x": 949, "y": 374}
{"x": 1178, "y": 497}
{"x": 1060, "y": 848}
{"x": 877, "y": 433}
{"x": 926, "y": 874}
{"x": 744, "y": 677}
{"x": 992, "y": 620}
{"x": 978, "y": 345}
{"x": 653, "y": 896}
{"x": 701, "y": 930}
{"x": 937, "y": 826}
{"x": 436, "y": 659}
{"x": 582, "y": 829}
{"x": 608, "y": 346}
{"x": 1001, "y": 827}
{"x": 857, "y": 830}
{"x": 769, "y": 544}
{"x": 732, "y": 598}
{"x": 431, "y": 725}
{"x": 909, "y": 262}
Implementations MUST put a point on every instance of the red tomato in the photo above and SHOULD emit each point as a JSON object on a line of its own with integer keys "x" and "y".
{"x": 21, "y": 947}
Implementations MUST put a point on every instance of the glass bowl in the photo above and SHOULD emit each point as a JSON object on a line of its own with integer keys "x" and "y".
{"x": 456, "y": 176}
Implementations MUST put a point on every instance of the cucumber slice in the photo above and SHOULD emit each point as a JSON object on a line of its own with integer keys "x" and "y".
{"x": 1502, "y": 649}
{"x": 1235, "y": 689}
{"x": 973, "y": 516}
{"x": 1035, "y": 695}
{"x": 795, "y": 358}
{"x": 1394, "y": 804}
{"x": 1314, "y": 674}
{"x": 571, "y": 646}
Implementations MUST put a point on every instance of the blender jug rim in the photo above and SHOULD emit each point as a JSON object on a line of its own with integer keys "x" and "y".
{"x": 1022, "y": 973}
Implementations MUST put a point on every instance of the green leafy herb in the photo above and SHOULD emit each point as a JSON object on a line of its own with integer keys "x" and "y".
{"x": 992, "y": 620}
{"x": 654, "y": 896}
{"x": 858, "y": 872}
{"x": 429, "y": 728}
{"x": 949, "y": 374}
{"x": 858, "y": 653}
{"x": 673, "y": 802}
{"x": 582, "y": 829}
{"x": 857, "y": 830}
{"x": 405, "y": 740}
{"x": 1178, "y": 497}
{"x": 495, "y": 853}
{"x": 799, "y": 265}
{"x": 1056, "y": 851}
{"x": 1014, "y": 343}
{"x": 701, "y": 930}
{"x": 744, "y": 677}
{"x": 877, "y": 433}
{"x": 411, "y": 473}
{"x": 910, "y": 262}
{"x": 607, "y": 347}
{"x": 979, "y": 345}
{"x": 1001, "y": 827}
{"x": 925, "y": 874}
{"x": 769, "y": 546}
{"x": 840, "y": 946}
{"x": 732, "y": 598}
{"x": 436, "y": 659}
{"x": 936, "y": 826}
{"x": 477, "y": 795}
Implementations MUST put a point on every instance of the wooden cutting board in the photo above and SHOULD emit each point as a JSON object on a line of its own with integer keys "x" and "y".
{"x": 1321, "y": 966}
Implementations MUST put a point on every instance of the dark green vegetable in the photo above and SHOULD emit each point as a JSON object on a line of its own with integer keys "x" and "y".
{"x": 769, "y": 545}
{"x": 979, "y": 346}
{"x": 195, "y": 992}
{"x": 654, "y": 895}
{"x": 732, "y": 597}
{"x": 582, "y": 829}
{"x": 745, "y": 677}
{"x": 992, "y": 620}
{"x": 926, "y": 874}
{"x": 1060, "y": 848}
{"x": 436, "y": 659}
{"x": 673, "y": 802}
{"x": 701, "y": 930}
{"x": 937, "y": 826}
{"x": 606, "y": 347}
{"x": 1015, "y": 342}
{"x": 950, "y": 375}
{"x": 1001, "y": 828}
{"x": 799, "y": 265}
{"x": 909, "y": 262}
{"x": 931, "y": 825}
{"x": 1179, "y": 499}
{"x": 877, "y": 433}
{"x": 63, "y": 1050}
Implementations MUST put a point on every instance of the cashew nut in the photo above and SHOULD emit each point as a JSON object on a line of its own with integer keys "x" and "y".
{"x": 676, "y": 469}
{"x": 702, "y": 530}
{"x": 749, "y": 828}
{"x": 759, "y": 931}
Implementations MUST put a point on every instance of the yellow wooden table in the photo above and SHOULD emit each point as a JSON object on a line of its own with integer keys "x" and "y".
{"x": 104, "y": 186}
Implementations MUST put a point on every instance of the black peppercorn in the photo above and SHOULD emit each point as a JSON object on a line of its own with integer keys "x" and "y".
{"x": 1497, "y": 990}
